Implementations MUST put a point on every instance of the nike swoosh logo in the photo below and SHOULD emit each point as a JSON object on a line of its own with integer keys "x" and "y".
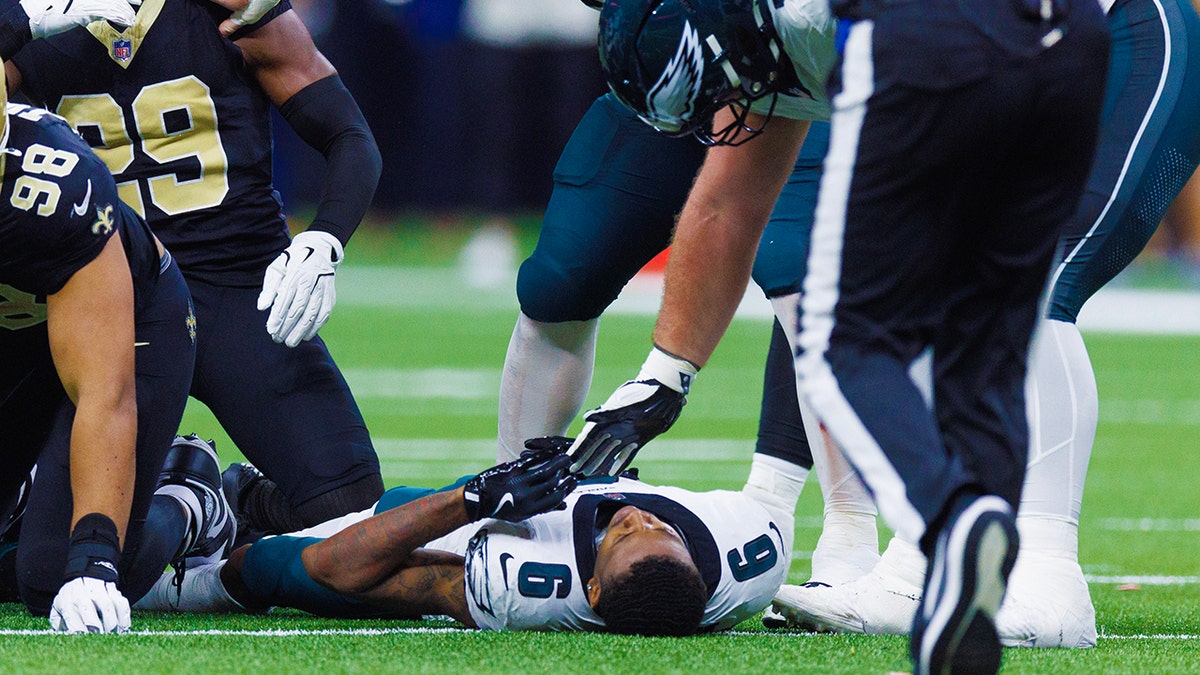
{"x": 140, "y": 344}
{"x": 506, "y": 499}
{"x": 81, "y": 207}
{"x": 504, "y": 558}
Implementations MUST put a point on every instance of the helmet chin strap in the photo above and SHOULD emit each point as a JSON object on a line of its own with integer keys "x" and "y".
{"x": 772, "y": 38}
{"x": 755, "y": 88}
{"x": 722, "y": 58}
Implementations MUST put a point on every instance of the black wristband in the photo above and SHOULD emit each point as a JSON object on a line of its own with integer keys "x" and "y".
{"x": 14, "y": 31}
{"x": 283, "y": 6}
{"x": 95, "y": 549}
{"x": 326, "y": 117}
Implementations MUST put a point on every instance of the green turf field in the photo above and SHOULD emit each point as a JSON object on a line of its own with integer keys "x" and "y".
{"x": 423, "y": 354}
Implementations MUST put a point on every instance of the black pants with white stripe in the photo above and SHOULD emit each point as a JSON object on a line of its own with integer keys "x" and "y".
{"x": 960, "y": 144}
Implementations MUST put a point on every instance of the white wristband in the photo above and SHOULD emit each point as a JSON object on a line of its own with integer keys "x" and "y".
{"x": 671, "y": 371}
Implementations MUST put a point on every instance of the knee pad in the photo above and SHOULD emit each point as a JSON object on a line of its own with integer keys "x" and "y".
{"x": 548, "y": 293}
{"x": 356, "y": 496}
{"x": 617, "y": 189}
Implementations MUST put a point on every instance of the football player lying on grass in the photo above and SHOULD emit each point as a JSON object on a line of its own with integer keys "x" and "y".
{"x": 518, "y": 547}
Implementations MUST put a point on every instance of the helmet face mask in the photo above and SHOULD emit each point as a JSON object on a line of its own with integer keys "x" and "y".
{"x": 677, "y": 62}
{"x": 738, "y": 131}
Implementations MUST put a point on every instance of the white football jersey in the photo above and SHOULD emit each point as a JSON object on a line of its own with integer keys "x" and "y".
{"x": 807, "y": 30}
{"x": 531, "y": 575}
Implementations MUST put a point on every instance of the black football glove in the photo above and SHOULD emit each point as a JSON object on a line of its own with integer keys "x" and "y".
{"x": 636, "y": 412}
{"x": 535, "y": 483}
{"x": 558, "y": 444}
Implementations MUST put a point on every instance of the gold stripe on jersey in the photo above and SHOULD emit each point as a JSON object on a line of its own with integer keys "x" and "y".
{"x": 3, "y": 110}
{"x": 107, "y": 35}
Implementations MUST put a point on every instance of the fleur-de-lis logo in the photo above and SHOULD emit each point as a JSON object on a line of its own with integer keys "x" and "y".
{"x": 191, "y": 323}
{"x": 104, "y": 220}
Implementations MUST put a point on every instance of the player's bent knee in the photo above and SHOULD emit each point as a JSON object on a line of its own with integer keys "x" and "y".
{"x": 356, "y": 496}
{"x": 550, "y": 295}
{"x": 36, "y": 583}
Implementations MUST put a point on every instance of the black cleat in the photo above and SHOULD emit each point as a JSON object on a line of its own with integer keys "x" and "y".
{"x": 237, "y": 482}
{"x": 12, "y": 512}
{"x": 192, "y": 474}
{"x": 954, "y": 630}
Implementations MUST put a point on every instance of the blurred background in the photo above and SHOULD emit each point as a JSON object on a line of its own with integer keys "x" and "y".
{"x": 470, "y": 101}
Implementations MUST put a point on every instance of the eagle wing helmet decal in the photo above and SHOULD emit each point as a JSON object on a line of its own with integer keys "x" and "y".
{"x": 671, "y": 101}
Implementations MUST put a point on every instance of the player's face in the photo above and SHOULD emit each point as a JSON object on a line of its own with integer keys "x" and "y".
{"x": 634, "y": 534}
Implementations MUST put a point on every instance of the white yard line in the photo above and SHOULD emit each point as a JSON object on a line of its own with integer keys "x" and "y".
{"x": 1112, "y": 310}
{"x": 1149, "y": 524}
{"x": 423, "y": 383}
{"x": 1150, "y": 411}
{"x": 365, "y": 632}
{"x": 1102, "y": 636}
{"x": 375, "y": 632}
{"x": 668, "y": 450}
{"x": 1141, "y": 580}
{"x": 449, "y": 386}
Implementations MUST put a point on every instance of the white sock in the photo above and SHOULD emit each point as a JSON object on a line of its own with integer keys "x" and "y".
{"x": 903, "y": 560}
{"x": 1043, "y": 535}
{"x": 849, "y": 542}
{"x": 1063, "y": 408}
{"x": 201, "y": 592}
{"x": 547, "y": 372}
{"x": 776, "y": 484}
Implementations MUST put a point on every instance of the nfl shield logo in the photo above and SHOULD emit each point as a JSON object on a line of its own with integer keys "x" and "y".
{"x": 122, "y": 49}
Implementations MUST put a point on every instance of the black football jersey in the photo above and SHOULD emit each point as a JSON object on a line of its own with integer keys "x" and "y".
{"x": 174, "y": 112}
{"x": 60, "y": 209}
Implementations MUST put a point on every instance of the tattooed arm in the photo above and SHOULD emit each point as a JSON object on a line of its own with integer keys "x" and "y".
{"x": 380, "y": 560}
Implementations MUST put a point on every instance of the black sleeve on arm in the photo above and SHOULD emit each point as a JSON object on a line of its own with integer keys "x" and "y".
{"x": 325, "y": 116}
{"x": 14, "y": 31}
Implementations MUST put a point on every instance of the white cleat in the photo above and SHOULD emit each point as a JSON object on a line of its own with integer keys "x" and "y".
{"x": 773, "y": 619}
{"x": 1047, "y": 605}
{"x": 198, "y": 590}
{"x": 874, "y": 604}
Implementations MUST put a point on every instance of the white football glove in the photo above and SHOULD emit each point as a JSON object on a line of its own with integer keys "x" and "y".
{"x": 89, "y": 605}
{"x": 298, "y": 287}
{"x": 51, "y": 17}
{"x": 636, "y": 412}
